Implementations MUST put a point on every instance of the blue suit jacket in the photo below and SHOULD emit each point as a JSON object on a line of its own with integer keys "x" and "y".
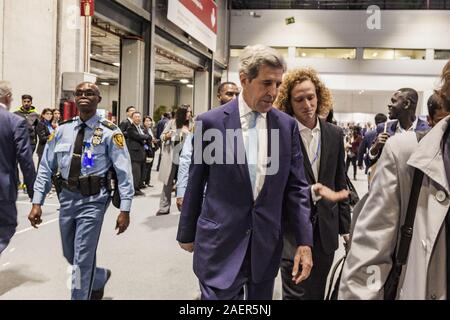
{"x": 367, "y": 142}
{"x": 15, "y": 147}
{"x": 422, "y": 125}
{"x": 229, "y": 221}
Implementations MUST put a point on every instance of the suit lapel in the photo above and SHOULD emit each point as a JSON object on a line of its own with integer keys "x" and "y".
{"x": 307, "y": 163}
{"x": 232, "y": 121}
{"x": 325, "y": 139}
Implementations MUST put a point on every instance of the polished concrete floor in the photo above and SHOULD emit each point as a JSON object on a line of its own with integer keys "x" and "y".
{"x": 146, "y": 261}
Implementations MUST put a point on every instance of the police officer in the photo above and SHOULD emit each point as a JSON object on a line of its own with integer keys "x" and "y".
{"x": 82, "y": 151}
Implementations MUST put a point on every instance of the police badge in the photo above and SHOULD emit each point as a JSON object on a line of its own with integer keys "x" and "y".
{"x": 97, "y": 137}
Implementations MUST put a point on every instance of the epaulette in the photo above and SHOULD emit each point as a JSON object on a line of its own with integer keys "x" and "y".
{"x": 109, "y": 125}
{"x": 67, "y": 121}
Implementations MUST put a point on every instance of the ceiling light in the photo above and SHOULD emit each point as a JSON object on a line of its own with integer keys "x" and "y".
{"x": 374, "y": 54}
{"x": 104, "y": 83}
{"x": 190, "y": 85}
{"x": 303, "y": 54}
{"x": 117, "y": 64}
{"x": 184, "y": 81}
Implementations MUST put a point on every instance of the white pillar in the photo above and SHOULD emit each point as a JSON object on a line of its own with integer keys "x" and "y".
{"x": 132, "y": 76}
{"x": 201, "y": 92}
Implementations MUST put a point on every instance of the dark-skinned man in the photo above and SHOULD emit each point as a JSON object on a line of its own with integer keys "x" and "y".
{"x": 82, "y": 150}
{"x": 402, "y": 109}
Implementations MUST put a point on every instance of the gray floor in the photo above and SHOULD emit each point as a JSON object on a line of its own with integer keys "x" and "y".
{"x": 146, "y": 261}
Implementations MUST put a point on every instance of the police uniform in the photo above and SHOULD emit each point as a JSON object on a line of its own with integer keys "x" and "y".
{"x": 80, "y": 150}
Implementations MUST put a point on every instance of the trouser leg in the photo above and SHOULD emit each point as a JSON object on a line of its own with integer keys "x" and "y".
{"x": 166, "y": 194}
{"x": 8, "y": 223}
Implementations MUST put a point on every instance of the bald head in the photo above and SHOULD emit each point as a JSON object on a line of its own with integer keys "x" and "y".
{"x": 87, "y": 97}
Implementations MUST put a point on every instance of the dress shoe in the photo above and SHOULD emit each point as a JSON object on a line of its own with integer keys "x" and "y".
{"x": 139, "y": 193}
{"x": 161, "y": 213}
{"x": 98, "y": 294}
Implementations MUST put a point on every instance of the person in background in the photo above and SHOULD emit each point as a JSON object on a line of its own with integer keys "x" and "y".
{"x": 29, "y": 112}
{"x": 44, "y": 129}
{"x": 150, "y": 149}
{"x": 159, "y": 130}
{"x": 125, "y": 124}
{"x": 56, "y": 118}
{"x": 352, "y": 150}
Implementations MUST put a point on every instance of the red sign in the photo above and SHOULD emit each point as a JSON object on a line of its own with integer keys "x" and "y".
{"x": 87, "y": 8}
{"x": 205, "y": 11}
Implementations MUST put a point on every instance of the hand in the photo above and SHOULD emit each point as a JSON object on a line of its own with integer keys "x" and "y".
{"x": 379, "y": 142}
{"x": 168, "y": 135}
{"x": 189, "y": 247}
{"x": 327, "y": 193}
{"x": 346, "y": 238}
{"x": 179, "y": 203}
{"x": 123, "y": 221}
{"x": 35, "y": 215}
{"x": 303, "y": 257}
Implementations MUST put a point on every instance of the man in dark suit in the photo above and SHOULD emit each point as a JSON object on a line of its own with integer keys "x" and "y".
{"x": 304, "y": 96}
{"x": 367, "y": 142}
{"x": 254, "y": 178}
{"x": 15, "y": 147}
{"x": 402, "y": 110}
{"x": 136, "y": 142}
{"x": 125, "y": 124}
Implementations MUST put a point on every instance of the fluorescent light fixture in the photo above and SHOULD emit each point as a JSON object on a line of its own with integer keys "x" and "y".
{"x": 303, "y": 54}
{"x": 184, "y": 81}
{"x": 374, "y": 54}
{"x": 104, "y": 83}
{"x": 190, "y": 85}
{"x": 117, "y": 64}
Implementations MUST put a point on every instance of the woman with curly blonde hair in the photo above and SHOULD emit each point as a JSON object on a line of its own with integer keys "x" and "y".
{"x": 305, "y": 97}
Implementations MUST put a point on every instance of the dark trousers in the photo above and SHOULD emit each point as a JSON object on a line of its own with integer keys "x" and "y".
{"x": 347, "y": 165}
{"x": 8, "y": 223}
{"x": 243, "y": 287}
{"x": 314, "y": 287}
{"x": 137, "y": 169}
{"x": 146, "y": 176}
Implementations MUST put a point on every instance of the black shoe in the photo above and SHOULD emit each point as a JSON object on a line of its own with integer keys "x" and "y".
{"x": 98, "y": 294}
{"x": 139, "y": 193}
{"x": 150, "y": 185}
{"x": 161, "y": 213}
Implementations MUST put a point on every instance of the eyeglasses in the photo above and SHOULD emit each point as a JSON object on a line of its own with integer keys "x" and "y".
{"x": 88, "y": 93}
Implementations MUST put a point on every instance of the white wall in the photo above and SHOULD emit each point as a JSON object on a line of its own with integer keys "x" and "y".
{"x": 2, "y": 20}
{"x": 186, "y": 95}
{"x": 109, "y": 94}
{"x": 164, "y": 96}
{"x": 29, "y": 46}
{"x": 341, "y": 28}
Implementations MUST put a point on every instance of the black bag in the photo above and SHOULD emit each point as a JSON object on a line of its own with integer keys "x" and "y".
{"x": 353, "y": 197}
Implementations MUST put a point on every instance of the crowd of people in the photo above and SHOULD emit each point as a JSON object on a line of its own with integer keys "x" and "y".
{"x": 261, "y": 182}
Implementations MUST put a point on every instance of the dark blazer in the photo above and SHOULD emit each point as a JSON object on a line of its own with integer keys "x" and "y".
{"x": 332, "y": 218}
{"x": 123, "y": 126}
{"x": 160, "y": 127}
{"x": 227, "y": 221}
{"x": 366, "y": 143}
{"x": 43, "y": 133}
{"x": 135, "y": 143}
{"x": 15, "y": 147}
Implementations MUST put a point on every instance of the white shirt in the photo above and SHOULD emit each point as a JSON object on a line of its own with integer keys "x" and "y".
{"x": 261, "y": 126}
{"x": 312, "y": 142}
{"x": 413, "y": 127}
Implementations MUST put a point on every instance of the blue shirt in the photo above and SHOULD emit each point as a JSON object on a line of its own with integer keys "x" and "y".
{"x": 109, "y": 151}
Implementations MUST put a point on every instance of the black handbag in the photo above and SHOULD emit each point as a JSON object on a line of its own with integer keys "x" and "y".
{"x": 353, "y": 197}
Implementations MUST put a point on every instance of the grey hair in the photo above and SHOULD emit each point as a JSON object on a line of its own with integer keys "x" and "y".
{"x": 253, "y": 57}
{"x": 5, "y": 88}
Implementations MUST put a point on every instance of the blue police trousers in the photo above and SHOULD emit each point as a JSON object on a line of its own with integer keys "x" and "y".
{"x": 80, "y": 222}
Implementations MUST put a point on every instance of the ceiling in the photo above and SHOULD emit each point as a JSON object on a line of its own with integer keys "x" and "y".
{"x": 105, "y": 57}
{"x": 340, "y": 5}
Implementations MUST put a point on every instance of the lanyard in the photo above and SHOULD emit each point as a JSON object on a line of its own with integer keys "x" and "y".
{"x": 316, "y": 156}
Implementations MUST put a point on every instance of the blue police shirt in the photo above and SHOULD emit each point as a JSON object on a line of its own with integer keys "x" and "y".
{"x": 108, "y": 148}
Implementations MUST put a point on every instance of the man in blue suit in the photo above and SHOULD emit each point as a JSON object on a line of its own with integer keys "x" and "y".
{"x": 15, "y": 147}
{"x": 367, "y": 142}
{"x": 255, "y": 178}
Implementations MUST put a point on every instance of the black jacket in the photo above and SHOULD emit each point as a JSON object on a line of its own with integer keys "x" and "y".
{"x": 43, "y": 133}
{"x": 124, "y": 125}
{"x": 333, "y": 219}
{"x": 135, "y": 143}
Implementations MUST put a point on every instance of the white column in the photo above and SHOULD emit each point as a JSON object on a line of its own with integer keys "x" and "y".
{"x": 132, "y": 75}
{"x": 201, "y": 92}
{"x": 2, "y": 21}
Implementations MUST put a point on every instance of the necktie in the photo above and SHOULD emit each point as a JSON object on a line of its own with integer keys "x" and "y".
{"x": 252, "y": 147}
{"x": 75, "y": 165}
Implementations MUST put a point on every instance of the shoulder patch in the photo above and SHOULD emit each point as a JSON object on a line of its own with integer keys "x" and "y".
{"x": 67, "y": 121}
{"x": 109, "y": 125}
{"x": 119, "y": 140}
